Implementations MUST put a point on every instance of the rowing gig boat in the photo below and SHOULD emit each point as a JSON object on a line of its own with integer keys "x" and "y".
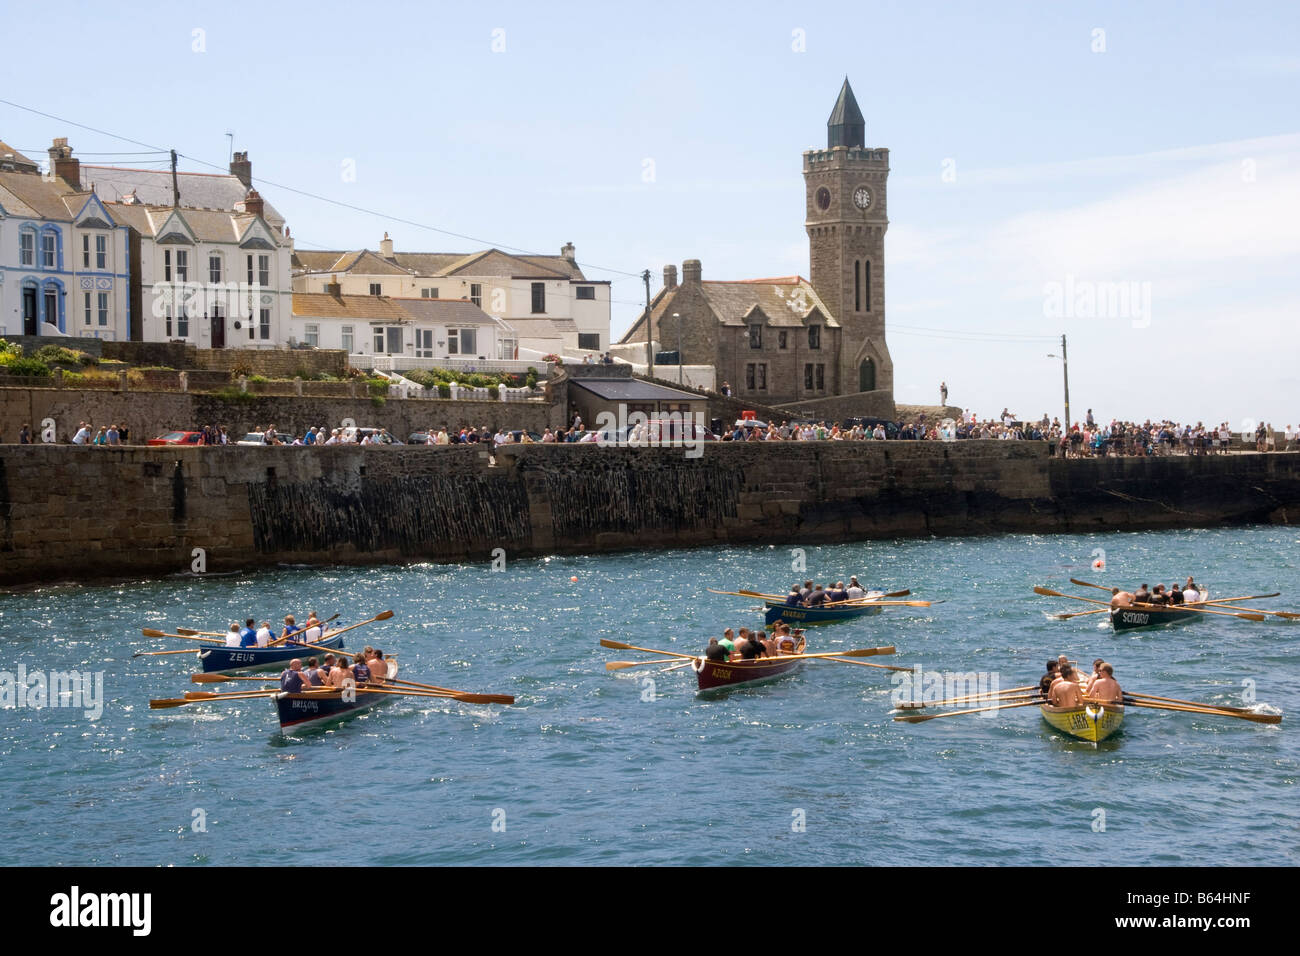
{"x": 718, "y": 675}
{"x": 1091, "y": 722}
{"x": 314, "y": 708}
{"x": 780, "y": 611}
{"x": 1132, "y": 618}
{"x": 228, "y": 660}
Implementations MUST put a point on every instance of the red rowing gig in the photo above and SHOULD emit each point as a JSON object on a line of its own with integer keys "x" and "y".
{"x": 718, "y": 675}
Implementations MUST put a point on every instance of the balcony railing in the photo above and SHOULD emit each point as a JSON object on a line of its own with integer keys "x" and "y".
{"x": 397, "y": 363}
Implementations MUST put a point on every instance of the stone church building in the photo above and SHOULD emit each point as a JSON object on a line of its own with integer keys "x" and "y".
{"x": 818, "y": 345}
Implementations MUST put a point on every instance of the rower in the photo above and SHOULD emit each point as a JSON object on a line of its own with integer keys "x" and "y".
{"x": 752, "y": 648}
{"x": 784, "y": 639}
{"x": 327, "y": 668}
{"x": 360, "y": 672}
{"x": 234, "y": 637}
{"x": 1175, "y": 594}
{"x": 248, "y": 634}
{"x": 855, "y": 591}
{"x": 292, "y": 679}
{"x": 290, "y": 629}
{"x": 1096, "y": 672}
{"x": 837, "y": 594}
{"x": 1143, "y": 595}
{"x": 1120, "y": 598}
{"x": 1065, "y": 692}
{"x": 793, "y": 599}
{"x": 1158, "y": 596}
{"x": 312, "y": 673}
{"x": 1105, "y": 689}
{"x": 313, "y": 628}
{"x": 728, "y": 642}
{"x": 378, "y": 667}
{"x": 341, "y": 674}
{"x": 817, "y": 598}
{"x": 716, "y": 652}
{"x": 1045, "y": 682}
{"x": 1191, "y": 593}
{"x": 263, "y": 635}
{"x": 806, "y": 592}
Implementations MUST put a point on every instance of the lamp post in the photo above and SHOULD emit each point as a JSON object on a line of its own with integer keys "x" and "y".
{"x": 678, "y": 317}
{"x": 1065, "y": 371}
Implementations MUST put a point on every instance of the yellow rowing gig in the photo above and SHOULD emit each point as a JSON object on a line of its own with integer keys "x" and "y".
{"x": 1091, "y": 722}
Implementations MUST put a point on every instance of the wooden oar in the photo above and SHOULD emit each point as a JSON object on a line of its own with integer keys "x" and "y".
{"x": 846, "y": 660}
{"x": 1285, "y": 615}
{"x": 1193, "y": 703}
{"x": 182, "y": 701}
{"x": 998, "y": 699}
{"x": 151, "y": 632}
{"x": 1066, "y": 617}
{"x": 868, "y": 602}
{"x": 1048, "y": 592}
{"x": 1208, "y": 711}
{"x": 1198, "y": 610}
{"x": 620, "y": 646}
{"x": 623, "y": 665}
{"x": 190, "y": 631}
{"x": 490, "y": 698}
{"x": 1010, "y": 691}
{"x": 381, "y": 616}
{"x": 917, "y": 718}
{"x": 221, "y": 679}
{"x": 859, "y": 652}
{"x": 1247, "y": 597}
{"x": 187, "y": 650}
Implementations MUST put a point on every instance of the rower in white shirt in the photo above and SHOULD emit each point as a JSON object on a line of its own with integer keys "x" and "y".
{"x": 264, "y": 634}
{"x": 855, "y": 591}
{"x": 233, "y": 636}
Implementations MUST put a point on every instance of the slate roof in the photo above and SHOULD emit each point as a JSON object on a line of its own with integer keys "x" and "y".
{"x": 785, "y": 301}
{"x": 456, "y": 312}
{"x": 632, "y": 390}
{"x": 21, "y": 162}
{"x": 486, "y": 262}
{"x": 34, "y": 197}
{"x": 153, "y": 187}
{"x": 362, "y": 308}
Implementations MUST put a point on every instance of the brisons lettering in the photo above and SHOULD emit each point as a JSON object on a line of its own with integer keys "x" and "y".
{"x": 77, "y": 689}
{"x": 76, "y": 909}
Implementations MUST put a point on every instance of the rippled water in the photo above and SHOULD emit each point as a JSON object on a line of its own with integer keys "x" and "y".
{"x": 585, "y": 769}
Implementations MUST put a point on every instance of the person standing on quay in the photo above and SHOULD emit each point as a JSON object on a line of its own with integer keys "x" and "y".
{"x": 943, "y": 393}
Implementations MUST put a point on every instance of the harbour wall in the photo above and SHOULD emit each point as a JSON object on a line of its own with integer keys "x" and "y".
{"x": 72, "y": 513}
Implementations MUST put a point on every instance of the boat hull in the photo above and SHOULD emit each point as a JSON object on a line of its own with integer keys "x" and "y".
{"x": 802, "y": 616}
{"x": 1132, "y": 619}
{"x": 298, "y": 712}
{"x": 1093, "y": 722}
{"x": 228, "y": 660}
{"x": 715, "y": 676}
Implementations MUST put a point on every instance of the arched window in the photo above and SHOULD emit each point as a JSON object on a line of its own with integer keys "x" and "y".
{"x": 49, "y": 255}
{"x": 52, "y": 304}
{"x": 867, "y": 376}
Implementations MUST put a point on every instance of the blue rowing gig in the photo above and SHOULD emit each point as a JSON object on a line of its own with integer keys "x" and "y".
{"x": 801, "y": 616}
{"x": 227, "y": 660}
{"x": 312, "y": 709}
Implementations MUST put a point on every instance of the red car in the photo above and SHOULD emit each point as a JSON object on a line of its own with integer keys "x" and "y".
{"x": 178, "y": 438}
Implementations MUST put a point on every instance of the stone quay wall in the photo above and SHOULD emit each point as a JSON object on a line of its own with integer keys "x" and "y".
{"x": 81, "y": 513}
{"x": 151, "y": 414}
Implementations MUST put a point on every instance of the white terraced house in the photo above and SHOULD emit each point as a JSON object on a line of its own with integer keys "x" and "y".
{"x": 546, "y": 300}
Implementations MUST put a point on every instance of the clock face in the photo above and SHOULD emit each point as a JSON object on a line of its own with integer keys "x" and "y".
{"x": 823, "y": 199}
{"x": 862, "y": 197}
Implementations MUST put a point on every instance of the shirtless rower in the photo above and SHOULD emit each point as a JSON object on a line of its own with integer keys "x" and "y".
{"x": 1120, "y": 598}
{"x": 1051, "y": 677}
{"x": 340, "y": 673}
{"x": 1105, "y": 689}
{"x": 378, "y": 667}
{"x": 1065, "y": 693}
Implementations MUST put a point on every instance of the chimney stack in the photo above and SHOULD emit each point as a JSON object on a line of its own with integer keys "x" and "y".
{"x": 670, "y": 277}
{"x": 569, "y": 252}
{"x": 242, "y": 169}
{"x": 386, "y": 247}
{"x": 253, "y": 203}
{"x": 691, "y": 271}
{"x": 333, "y": 288}
{"x": 62, "y": 165}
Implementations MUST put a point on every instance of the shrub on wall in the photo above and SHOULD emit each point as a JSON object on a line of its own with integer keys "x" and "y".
{"x": 59, "y": 355}
{"x": 26, "y": 366}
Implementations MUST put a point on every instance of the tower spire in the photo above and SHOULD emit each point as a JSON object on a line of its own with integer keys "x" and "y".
{"x": 846, "y": 127}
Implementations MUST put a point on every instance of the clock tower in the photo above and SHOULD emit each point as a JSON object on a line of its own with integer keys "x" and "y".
{"x": 846, "y": 222}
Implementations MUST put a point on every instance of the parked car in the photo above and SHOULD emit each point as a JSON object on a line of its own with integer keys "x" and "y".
{"x": 253, "y": 438}
{"x": 178, "y": 438}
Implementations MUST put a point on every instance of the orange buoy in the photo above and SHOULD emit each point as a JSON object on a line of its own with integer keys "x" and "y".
{"x": 574, "y": 579}
{"x": 1099, "y": 564}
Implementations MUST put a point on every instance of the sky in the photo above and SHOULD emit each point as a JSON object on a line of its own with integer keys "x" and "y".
{"x": 1125, "y": 174}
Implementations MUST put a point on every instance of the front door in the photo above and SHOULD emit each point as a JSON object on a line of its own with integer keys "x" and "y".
{"x": 29, "y": 312}
{"x": 218, "y": 331}
{"x": 52, "y": 307}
